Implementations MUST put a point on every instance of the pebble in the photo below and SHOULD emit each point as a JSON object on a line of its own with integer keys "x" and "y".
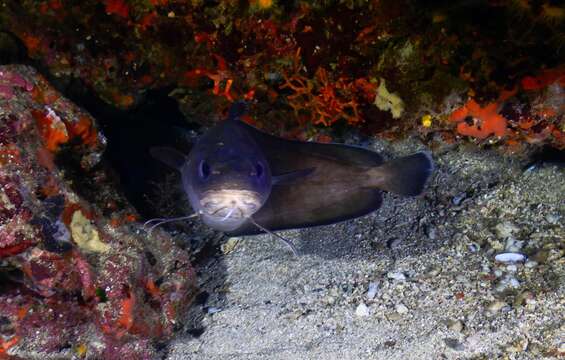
{"x": 505, "y": 229}
{"x": 455, "y": 325}
{"x": 230, "y": 245}
{"x": 513, "y": 245}
{"x": 372, "y": 292}
{"x": 401, "y": 308}
{"x": 474, "y": 247}
{"x": 396, "y": 276}
{"x": 508, "y": 282}
{"x": 518, "y": 346}
{"x": 430, "y": 232}
{"x": 511, "y": 268}
{"x": 362, "y": 310}
{"x": 458, "y": 199}
{"x": 213, "y": 310}
{"x": 510, "y": 257}
{"x": 496, "y": 306}
{"x": 524, "y": 298}
{"x": 552, "y": 218}
{"x": 454, "y": 344}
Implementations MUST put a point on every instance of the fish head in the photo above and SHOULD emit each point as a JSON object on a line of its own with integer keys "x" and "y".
{"x": 227, "y": 177}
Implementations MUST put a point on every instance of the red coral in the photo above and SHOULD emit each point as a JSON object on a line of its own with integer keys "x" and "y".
{"x": 52, "y": 129}
{"x": 480, "y": 122}
{"x": 326, "y": 101}
{"x": 544, "y": 79}
{"x": 117, "y": 7}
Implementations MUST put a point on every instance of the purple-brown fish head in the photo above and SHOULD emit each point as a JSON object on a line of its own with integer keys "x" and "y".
{"x": 226, "y": 177}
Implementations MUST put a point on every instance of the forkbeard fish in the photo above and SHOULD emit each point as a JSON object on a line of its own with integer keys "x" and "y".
{"x": 243, "y": 181}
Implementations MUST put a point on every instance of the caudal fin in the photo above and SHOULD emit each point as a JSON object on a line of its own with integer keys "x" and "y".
{"x": 407, "y": 175}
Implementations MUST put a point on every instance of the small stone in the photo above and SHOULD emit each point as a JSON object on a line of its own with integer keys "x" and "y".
{"x": 396, "y": 276}
{"x": 394, "y": 243}
{"x": 510, "y": 257}
{"x": 561, "y": 348}
{"x": 230, "y": 245}
{"x": 212, "y": 310}
{"x": 458, "y": 199}
{"x": 496, "y": 306}
{"x": 401, "y": 308}
{"x": 430, "y": 232}
{"x": 518, "y": 346}
{"x": 512, "y": 245}
{"x": 506, "y": 283}
{"x": 511, "y": 268}
{"x": 523, "y": 298}
{"x": 505, "y": 229}
{"x": 362, "y": 310}
{"x": 372, "y": 291}
{"x": 474, "y": 247}
{"x": 454, "y": 344}
{"x": 530, "y": 264}
{"x": 552, "y": 218}
{"x": 455, "y": 325}
{"x": 541, "y": 256}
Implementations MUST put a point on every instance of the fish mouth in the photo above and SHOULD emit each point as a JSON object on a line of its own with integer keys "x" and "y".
{"x": 230, "y": 204}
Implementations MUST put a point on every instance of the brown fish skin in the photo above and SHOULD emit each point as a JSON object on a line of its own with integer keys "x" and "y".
{"x": 346, "y": 182}
{"x": 241, "y": 180}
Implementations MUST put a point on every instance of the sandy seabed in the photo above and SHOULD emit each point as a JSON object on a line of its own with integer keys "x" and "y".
{"x": 418, "y": 279}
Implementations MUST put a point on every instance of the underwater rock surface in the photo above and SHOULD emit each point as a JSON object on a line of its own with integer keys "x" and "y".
{"x": 79, "y": 278}
{"x": 490, "y": 72}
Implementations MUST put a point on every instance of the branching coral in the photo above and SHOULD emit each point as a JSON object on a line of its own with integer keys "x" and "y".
{"x": 326, "y": 101}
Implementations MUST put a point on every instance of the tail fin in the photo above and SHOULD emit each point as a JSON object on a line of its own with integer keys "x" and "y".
{"x": 407, "y": 175}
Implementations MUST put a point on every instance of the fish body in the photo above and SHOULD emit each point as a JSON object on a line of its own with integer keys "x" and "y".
{"x": 237, "y": 177}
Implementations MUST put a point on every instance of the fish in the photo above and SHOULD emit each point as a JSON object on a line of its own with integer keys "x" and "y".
{"x": 243, "y": 181}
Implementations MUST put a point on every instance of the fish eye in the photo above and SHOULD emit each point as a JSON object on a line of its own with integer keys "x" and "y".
{"x": 204, "y": 170}
{"x": 259, "y": 170}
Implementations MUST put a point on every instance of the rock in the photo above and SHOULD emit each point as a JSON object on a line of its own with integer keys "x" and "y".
{"x": 497, "y": 306}
{"x": 372, "y": 291}
{"x": 399, "y": 276}
{"x": 86, "y": 269}
{"x": 561, "y": 349}
{"x": 523, "y": 298}
{"x": 553, "y": 218}
{"x": 513, "y": 245}
{"x": 212, "y": 310}
{"x": 401, "y": 308}
{"x": 505, "y": 229}
{"x": 455, "y": 325}
{"x": 458, "y": 199}
{"x": 510, "y": 257}
{"x": 362, "y": 310}
{"x": 508, "y": 282}
{"x": 517, "y": 346}
{"x": 230, "y": 245}
{"x": 454, "y": 344}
